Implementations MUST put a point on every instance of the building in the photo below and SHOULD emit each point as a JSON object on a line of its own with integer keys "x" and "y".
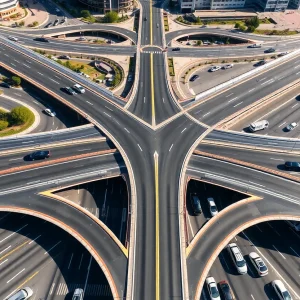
{"x": 8, "y": 7}
{"x": 103, "y": 6}
{"x": 294, "y": 4}
{"x": 272, "y": 5}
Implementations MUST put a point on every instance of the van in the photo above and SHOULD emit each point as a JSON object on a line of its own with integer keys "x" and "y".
{"x": 78, "y": 294}
{"x": 22, "y": 294}
{"x": 259, "y": 125}
{"x": 237, "y": 258}
{"x": 196, "y": 206}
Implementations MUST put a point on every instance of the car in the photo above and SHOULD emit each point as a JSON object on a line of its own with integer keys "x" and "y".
{"x": 214, "y": 68}
{"x": 212, "y": 207}
{"x": 70, "y": 91}
{"x": 23, "y": 294}
{"x": 48, "y": 25}
{"x": 229, "y": 66}
{"x": 260, "y": 63}
{"x": 258, "y": 264}
{"x": 196, "y": 205}
{"x": 78, "y": 294}
{"x": 194, "y": 77}
{"x": 56, "y": 22}
{"x": 12, "y": 38}
{"x": 280, "y": 290}
{"x": 292, "y": 165}
{"x": 237, "y": 258}
{"x": 41, "y": 154}
{"x": 130, "y": 77}
{"x": 176, "y": 49}
{"x": 82, "y": 38}
{"x": 282, "y": 54}
{"x": 270, "y": 50}
{"x": 145, "y": 19}
{"x": 226, "y": 291}
{"x": 78, "y": 88}
{"x": 50, "y": 112}
{"x": 41, "y": 39}
{"x": 5, "y": 84}
{"x": 206, "y": 42}
{"x": 255, "y": 46}
{"x": 212, "y": 288}
{"x": 219, "y": 43}
{"x": 57, "y": 10}
{"x": 292, "y": 126}
{"x": 64, "y": 57}
{"x": 62, "y": 21}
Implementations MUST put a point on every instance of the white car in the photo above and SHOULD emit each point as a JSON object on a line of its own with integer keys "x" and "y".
{"x": 12, "y": 38}
{"x": 50, "y": 112}
{"x": 214, "y": 68}
{"x": 229, "y": 66}
{"x": 258, "y": 264}
{"x": 212, "y": 288}
{"x": 281, "y": 291}
{"x": 24, "y": 293}
{"x": 292, "y": 126}
{"x": 212, "y": 206}
{"x": 77, "y": 87}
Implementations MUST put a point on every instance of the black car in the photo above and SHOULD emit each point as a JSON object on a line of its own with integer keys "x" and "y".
{"x": 226, "y": 291}
{"x": 70, "y": 91}
{"x": 145, "y": 19}
{"x": 56, "y": 22}
{"x": 40, "y": 155}
{"x": 270, "y": 50}
{"x": 194, "y": 77}
{"x": 5, "y": 84}
{"x": 260, "y": 63}
{"x": 48, "y": 25}
{"x": 41, "y": 39}
{"x": 176, "y": 49}
{"x": 196, "y": 205}
{"x": 292, "y": 165}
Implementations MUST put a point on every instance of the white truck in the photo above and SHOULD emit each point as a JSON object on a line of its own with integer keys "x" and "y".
{"x": 259, "y": 125}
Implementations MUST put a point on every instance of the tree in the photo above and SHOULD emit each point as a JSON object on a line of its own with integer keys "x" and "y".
{"x": 16, "y": 80}
{"x": 237, "y": 25}
{"x": 251, "y": 28}
{"x": 85, "y": 14}
{"x": 199, "y": 43}
{"x": 198, "y": 20}
{"x": 3, "y": 124}
{"x": 242, "y": 27}
{"x": 111, "y": 17}
{"x": 20, "y": 115}
{"x": 253, "y": 22}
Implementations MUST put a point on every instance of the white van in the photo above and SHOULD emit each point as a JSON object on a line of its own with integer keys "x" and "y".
{"x": 237, "y": 258}
{"x": 259, "y": 125}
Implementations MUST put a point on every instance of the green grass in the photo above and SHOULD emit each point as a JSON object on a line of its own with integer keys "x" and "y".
{"x": 16, "y": 129}
{"x": 171, "y": 67}
{"x": 276, "y": 32}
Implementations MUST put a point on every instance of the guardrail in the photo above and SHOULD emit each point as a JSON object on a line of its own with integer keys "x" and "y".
{"x": 245, "y": 75}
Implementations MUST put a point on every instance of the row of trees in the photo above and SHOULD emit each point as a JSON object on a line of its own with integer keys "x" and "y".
{"x": 17, "y": 116}
{"x": 109, "y": 17}
{"x": 250, "y": 24}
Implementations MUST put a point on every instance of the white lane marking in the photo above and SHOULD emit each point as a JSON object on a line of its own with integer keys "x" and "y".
{"x": 57, "y": 77}
{"x": 228, "y": 95}
{"x": 232, "y": 99}
{"x": 5, "y": 249}
{"x": 15, "y": 158}
{"x": 263, "y": 78}
{"x": 26, "y": 66}
{"x": 256, "y": 183}
{"x": 41, "y": 73}
{"x": 86, "y": 149}
{"x": 13, "y": 64}
{"x": 294, "y": 105}
{"x": 278, "y": 251}
{"x": 80, "y": 261}
{"x": 252, "y": 297}
{"x": 183, "y": 130}
{"x": 15, "y": 276}
{"x": 163, "y": 100}
{"x": 171, "y": 147}
{"x": 140, "y": 147}
{"x": 258, "y": 228}
{"x": 52, "y": 247}
{"x": 268, "y": 81}
{"x": 18, "y": 94}
{"x": 126, "y": 129}
{"x": 27, "y": 142}
{"x": 281, "y": 124}
{"x": 190, "y": 225}
{"x": 295, "y": 252}
{"x": 296, "y": 67}
{"x": 206, "y": 114}
{"x": 108, "y": 108}
{"x": 70, "y": 261}
{"x": 13, "y": 233}
{"x": 277, "y": 159}
{"x": 278, "y": 274}
{"x": 297, "y": 73}
{"x": 107, "y": 114}
{"x": 238, "y": 104}
{"x": 6, "y": 54}
{"x": 89, "y": 103}
{"x": 54, "y": 80}
{"x": 34, "y": 239}
{"x": 251, "y": 90}
{"x": 87, "y": 275}
{"x": 144, "y": 99}
{"x": 52, "y": 287}
{"x": 4, "y": 261}
{"x": 16, "y": 61}
{"x": 28, "y": 61}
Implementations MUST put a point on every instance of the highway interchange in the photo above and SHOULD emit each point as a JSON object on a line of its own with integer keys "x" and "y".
{"x": 160, "y": 145}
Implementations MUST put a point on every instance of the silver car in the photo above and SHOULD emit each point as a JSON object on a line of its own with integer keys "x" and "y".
{"x": 22, "y": 294}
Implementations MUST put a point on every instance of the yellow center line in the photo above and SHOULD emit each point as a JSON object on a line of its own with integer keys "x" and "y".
{"x": 156, "y": 224}
{"x": 152, "y": 90}
{"x": 12, "y": 251}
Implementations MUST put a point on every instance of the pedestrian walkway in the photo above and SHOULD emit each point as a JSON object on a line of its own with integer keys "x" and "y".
{"x": 91, "y": 289}
{"x": 154, "y": 52}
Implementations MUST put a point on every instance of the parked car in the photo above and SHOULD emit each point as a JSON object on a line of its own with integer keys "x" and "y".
{"x": 64, "y": 57}
{"x": 194, "y": 77}
{"x": 176, "y": 49}
{"x": 12, "y": 38}
{"x": 282, "y": 54}
{"x": 229, "y": 66}
{"x": 82, "y": 38}
{"x": 22, "y": 294}
{"x": 258, "y": 264}
{"x": 212, "y": 206}
{"x": 292, "y": 165}
{"x": 292, "y": 126}
{"x": 280, "y": 290}
{"x": 41, "y": 154}
{"x": 56, "y": 22}
{"x": 48, "y": 25}
{"x": 226, "y": 291}
{"x": 270, "y": 50}
{"x": 70, "y": 91}
{"x": 4, "y": 84}
{"x": 41, "y": 39}
{"x": 219, "y": 43}
{"x": 255, "y": 46}
{"x": 50, "y": 112}
{"x": 212, "y": 288}
{"x": 78, "y": 88}
{"x": 260, "y": 63}
{"x": 214, "y": 68}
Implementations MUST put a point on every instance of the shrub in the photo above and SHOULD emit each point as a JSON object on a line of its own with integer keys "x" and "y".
{"x": 3, "y": 124}
{"x": 20, "y": 115}
{"x": 237, "y": 25}
{"x": 22, "y": 23}
{"x": 253, "y": 22}
{"x": 199, "y": 43}
{"x": 35, "y": 23}
{"x": 85, "y": 14}
{"x": 251, "y": 28}
{"x": 16, "y": 80}
{"x": 111, "y": 17}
